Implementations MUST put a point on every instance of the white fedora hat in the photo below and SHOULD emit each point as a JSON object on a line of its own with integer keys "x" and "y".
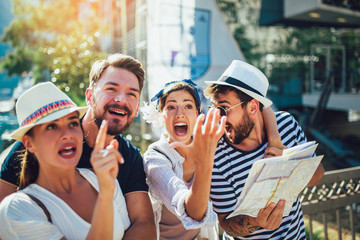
{"x": 42, "y": 103}
{"x": 247, "y": 79}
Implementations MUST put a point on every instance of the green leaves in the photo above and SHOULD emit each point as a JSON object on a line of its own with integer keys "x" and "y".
{"x": 55, "y": 41}
{"x": 72, "y": 57}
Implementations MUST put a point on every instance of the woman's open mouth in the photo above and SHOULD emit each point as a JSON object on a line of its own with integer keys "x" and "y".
{"x": 181, "y": 129}
{"x": 68, "y": 151}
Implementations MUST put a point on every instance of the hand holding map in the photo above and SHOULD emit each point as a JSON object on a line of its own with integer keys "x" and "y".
{"x": 276, "y": 178}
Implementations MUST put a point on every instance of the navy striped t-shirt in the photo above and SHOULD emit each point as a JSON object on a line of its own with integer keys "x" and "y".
{"x": 231, "y": 168}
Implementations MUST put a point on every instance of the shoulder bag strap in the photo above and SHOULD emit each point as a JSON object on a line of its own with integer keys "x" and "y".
{"x": 46, "y": 211}
{"x": 157, "y": 150}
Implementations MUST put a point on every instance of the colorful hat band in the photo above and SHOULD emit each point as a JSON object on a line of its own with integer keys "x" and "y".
{"x": 44, "y": 111}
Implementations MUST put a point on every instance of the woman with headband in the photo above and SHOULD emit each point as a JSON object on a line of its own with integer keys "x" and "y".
{"x": 179, "y": 174}
{"x": 179, "y": 164}
{"x": 56, "y": 200}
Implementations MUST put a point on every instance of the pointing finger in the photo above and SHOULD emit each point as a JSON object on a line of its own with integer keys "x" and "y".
{"x": 101, "y": 137}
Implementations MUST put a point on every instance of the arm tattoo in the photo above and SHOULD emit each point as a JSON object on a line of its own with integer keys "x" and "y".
{"x": 239, "y": 226}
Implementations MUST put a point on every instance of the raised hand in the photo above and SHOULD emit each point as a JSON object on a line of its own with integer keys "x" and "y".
{"x": 104, "y": 160}
{"x": 205, "y": 138}
{"x": 202, "y": 151}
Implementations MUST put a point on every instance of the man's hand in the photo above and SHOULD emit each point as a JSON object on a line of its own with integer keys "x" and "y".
{"x": 318, "y": 175}
{"x": 273, "y": 152}
{"x": 275, "y": 147}
{"x": 270, "y": 217}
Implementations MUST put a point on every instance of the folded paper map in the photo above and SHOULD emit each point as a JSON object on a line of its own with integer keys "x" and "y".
{"x": 272, "y": 179}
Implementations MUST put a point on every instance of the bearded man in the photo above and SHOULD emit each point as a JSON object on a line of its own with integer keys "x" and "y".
{"x": 240, "y": 94}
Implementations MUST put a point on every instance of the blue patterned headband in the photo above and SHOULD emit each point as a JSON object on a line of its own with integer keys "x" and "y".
{"x": 188, "y": 81}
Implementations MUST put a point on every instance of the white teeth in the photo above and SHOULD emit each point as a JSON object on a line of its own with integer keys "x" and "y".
{"x": 180, "y": 124}
{"x": 119, "y": 112}
{"x": 66, "y": 153}
{"x": 68, "y": 148}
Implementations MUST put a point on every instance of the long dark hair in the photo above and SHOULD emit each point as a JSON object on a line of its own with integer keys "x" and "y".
{"x": 29, "y": 167}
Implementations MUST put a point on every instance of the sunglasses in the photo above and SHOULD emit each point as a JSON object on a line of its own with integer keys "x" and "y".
{"x": 224, "y": 110}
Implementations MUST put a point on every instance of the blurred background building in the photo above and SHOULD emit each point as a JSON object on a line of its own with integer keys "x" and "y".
{"x": 310, "y": 51}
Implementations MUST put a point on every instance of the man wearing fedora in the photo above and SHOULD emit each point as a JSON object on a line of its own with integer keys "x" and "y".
{"x": 240, "y": 94}
{"x": 114, "y": 95}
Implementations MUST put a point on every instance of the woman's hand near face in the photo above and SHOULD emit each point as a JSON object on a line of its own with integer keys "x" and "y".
{"x": 202, "y": 149}
{"x": 206, "y": 137}
{"x": 104, "y": 160}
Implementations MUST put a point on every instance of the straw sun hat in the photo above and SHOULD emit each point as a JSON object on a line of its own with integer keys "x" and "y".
{"x": 247, "y": 79}
{"x": 40, "y": 104}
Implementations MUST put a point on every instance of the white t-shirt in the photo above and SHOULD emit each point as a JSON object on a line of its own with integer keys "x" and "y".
{"x": 22, "y": 218}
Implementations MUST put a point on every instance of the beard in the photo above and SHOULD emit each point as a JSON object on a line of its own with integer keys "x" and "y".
{"x": 114, "y": 125}
{"x": 242, "y": 130}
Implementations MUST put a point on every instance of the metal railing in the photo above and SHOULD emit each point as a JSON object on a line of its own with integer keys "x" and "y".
{"x": 339, "y": 190}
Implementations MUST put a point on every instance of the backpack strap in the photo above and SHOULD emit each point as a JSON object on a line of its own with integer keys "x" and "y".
{"x": 38, "y": 202}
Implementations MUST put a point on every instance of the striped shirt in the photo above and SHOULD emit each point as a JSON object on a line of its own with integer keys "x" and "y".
{"x": 231, "y": 168}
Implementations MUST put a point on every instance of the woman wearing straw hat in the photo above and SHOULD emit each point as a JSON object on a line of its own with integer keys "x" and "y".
{"x": 56, "y": 200}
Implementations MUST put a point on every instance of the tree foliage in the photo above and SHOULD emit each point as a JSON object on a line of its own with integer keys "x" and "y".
{"x": 298, "y": 45}
{"x": 290, "y": 51}
{"x": 292, "y": 56}
{"x": 229, "y": 9}
{"x": 247, "y": 47}
{"x": 54, "y": 40}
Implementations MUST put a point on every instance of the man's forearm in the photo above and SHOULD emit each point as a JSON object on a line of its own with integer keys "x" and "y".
{"x": 141, "y": 216}
{"x": 140, "y": 231}
{"x": 239, "y": 226}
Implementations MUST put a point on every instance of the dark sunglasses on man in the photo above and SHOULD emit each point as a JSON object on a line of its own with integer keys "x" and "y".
{"x": 224, "y": 110}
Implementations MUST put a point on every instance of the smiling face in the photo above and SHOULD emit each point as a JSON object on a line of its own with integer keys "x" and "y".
{"x": 180, "y": 115}
{"x": 116, "y": 98}
{"x": 57, "y": 143}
